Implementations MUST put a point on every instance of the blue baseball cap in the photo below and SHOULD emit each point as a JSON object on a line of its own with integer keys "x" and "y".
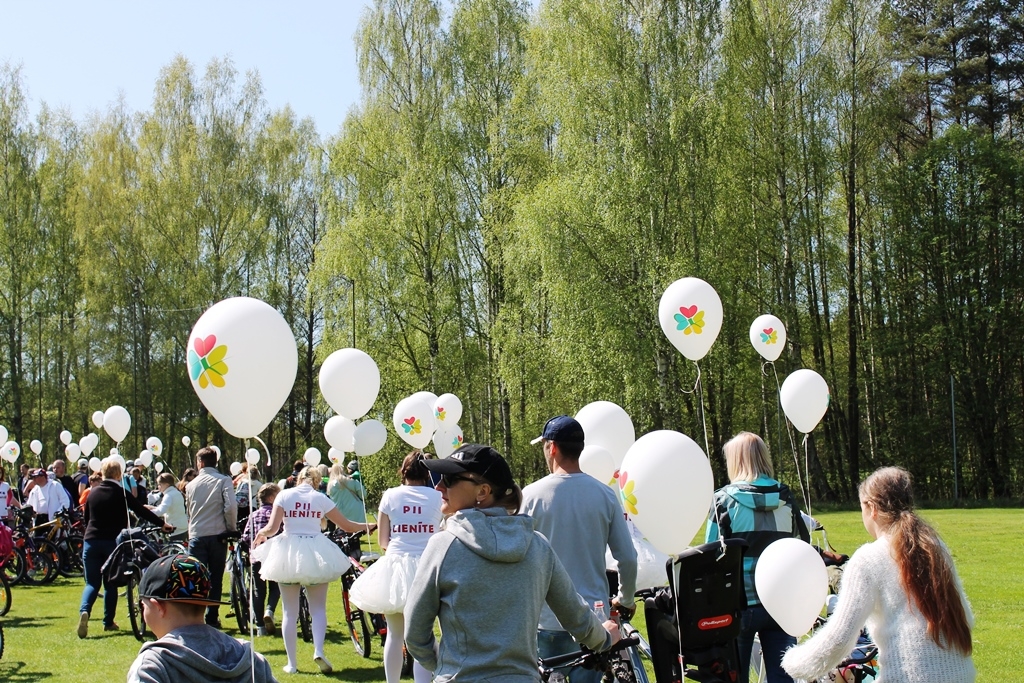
{"x": 562, "y": 429}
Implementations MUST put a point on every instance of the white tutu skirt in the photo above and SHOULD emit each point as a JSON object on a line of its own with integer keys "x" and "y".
{"x": 384, "y": 587}
{"x": 307, "y": 560}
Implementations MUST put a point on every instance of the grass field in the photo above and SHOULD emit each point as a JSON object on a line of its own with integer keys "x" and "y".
{"x": 41, "y": 644}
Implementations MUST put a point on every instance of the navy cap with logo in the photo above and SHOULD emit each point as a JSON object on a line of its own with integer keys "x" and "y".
{"x": 562, "y": 429}
{"x": 177, "y": 578}
{"x": 476, "y": 459}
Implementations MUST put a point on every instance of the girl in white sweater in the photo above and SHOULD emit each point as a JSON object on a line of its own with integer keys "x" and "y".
{"x": 905, "y": 588}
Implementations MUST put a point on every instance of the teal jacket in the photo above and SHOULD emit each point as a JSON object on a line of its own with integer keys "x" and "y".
{"x": 759, "y": 512}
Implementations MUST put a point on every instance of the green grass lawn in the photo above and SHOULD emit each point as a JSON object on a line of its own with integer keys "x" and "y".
{"x": 41, "y": 644}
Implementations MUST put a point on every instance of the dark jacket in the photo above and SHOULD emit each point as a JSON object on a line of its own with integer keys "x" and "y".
{"x": 106, "y": 511}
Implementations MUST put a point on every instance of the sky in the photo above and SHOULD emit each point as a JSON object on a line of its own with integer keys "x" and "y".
{"x": 83, "y": 55}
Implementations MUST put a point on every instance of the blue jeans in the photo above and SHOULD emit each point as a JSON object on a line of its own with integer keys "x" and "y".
{"x": 774, "y": 643}
{"x": 94, "y": 554}
{"x": 212, "y": 552}
{"x": 551, "y": 643}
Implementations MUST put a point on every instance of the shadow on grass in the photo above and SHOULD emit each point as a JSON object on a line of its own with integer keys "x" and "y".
{"x": 13, "y": 673}
{"x": 23, "y": 622}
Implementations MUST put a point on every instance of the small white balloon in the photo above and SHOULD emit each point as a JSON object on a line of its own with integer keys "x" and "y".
{"x": 159, "y": 467}
{"x": 72, "y": 451}
{"x": 235, "y": 468}
{"x": 120, "y": 461}
{"x": 117, "y": 423}
{"x": 598, "y": 463}
{"x": 792, "y": 582}
{"x": 12, "y": 450}
{"x": 447, "y": 410}
{"x": 370, "y": 437}
{"x": 154, "y": 445}
{"x": 88, "y": 443}
{"x": 805, "y": 399}
{"x": 340, "y": 432}
{"x": 414, "y": 420}
{"x": 97, "y": 419}
{"x": 65, "y": 437}
{"x": 146, "y": 458}
{"x": 95, "y": 464}
{"x": 3, "y": 434}
{"x": 312, "y": 456}
{"x": 768, "y": 337}
{"x": 114, "y": 451}
{"x": 36, "y": 446}
{"x": 252, "y": 456}
{"x": 607, "y": 425}
{"x": 335, "y": 456}
{"x": 350, "y": 382}
{"x": 447, "y": 440}
{"x": 185, "y": 441}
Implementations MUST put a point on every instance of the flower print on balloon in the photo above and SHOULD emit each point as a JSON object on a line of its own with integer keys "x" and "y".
{"x": 206, "y": 362}
{"x": 626, "y": 486}
{"x": 690, "y": 319}
{"x": 411, "y": 425}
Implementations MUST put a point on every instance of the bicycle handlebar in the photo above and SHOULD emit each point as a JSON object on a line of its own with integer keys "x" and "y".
{"x": 585, "y": 657}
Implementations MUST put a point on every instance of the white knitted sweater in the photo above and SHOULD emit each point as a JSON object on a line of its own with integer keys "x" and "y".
{"x": 871, "y": 593}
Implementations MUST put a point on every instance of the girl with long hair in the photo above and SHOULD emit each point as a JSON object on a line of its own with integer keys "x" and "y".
{"x": 904, "y": 587}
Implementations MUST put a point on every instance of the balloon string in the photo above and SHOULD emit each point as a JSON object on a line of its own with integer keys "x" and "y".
{"x": 696, "y": 385}
{"x": 792, "y": 443}
{"x": 252, "y": 577}
{"x": 699, "y": 389}
{"x": 265, "y": 449}
{"x": 807, "y": 469}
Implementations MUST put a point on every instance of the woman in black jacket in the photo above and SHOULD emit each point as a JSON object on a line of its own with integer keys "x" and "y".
{"x": 106, "y": 515}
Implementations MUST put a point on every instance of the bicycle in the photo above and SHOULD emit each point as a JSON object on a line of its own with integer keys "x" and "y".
{"x": 240, "y": 570}
{"x": 6, "y": 595}
{"x": 59, "y": 532}
{"x": 355, "y": 618}
{"x": 35, "y": 563}
{"x": 602, "y": 661}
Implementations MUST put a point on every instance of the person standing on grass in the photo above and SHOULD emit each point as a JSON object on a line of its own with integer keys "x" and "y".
{"x": 904, "y": 587}
{"x": 212, "y": 514}
{"x": 408, "y": 516}
{"x": 581, "y": 518}
{"x": 47, "y": 497}
{"x": 106, "y": 515}
{"x": 173, "y": 594}
{"x": 266, "y": 594}
{"x": 171, "y": 506}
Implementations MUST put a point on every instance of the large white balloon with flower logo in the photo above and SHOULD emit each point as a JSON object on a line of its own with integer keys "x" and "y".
{"x": 414, "y": 420}
{"x": 666, "y": 485}
{"x": 690, "y": 313}
{"x": 242, "y": 361}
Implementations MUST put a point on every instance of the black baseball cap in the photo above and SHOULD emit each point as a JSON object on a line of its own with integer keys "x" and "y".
{"x": 177, "y": 578}
{"x": 563, "y": 429}
{"x": 476, "y": 459}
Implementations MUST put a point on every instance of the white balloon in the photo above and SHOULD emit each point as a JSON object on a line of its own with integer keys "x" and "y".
{"x": 72, "y": 451}
{"x": 88, "y": 443}
{"x": 12, "y": 450}
{"x": 185, "y": 441}
{"x": 235, "y": 469}
{"x": 97, "y": 419}
{"x": 242, "y": 361}
{"x": 805, "y": 399}
{"x": 95, "y": 464}
{"x": 792, "y": 582}
{"x": 414, "y": 420}
{"x": 666, "y": 485}
{"x": 350, "y": 382}
{"x": 120, "y": 461}
{"x": 36, "y": 446}
{"x": 335, "y": 456}
{"x": 3, "y": 434}
{"x": 607, "y": 425}
{"x": 114, "y": 451}
{"x": 428, "y": 396}
{"x": 370, "y": 437}
{"x": 154, "y": 445}
{"x": 768, "y": 337}
{"x": 65, "y": 437}
{"x": 340, "y": 432}
{"x": 146, "y": 458}
{"x": 252, "y": 456}
{"x": 599, "y": 463}
{"x": 159, "y": 467}
{"x": 447, "y": 411}
{"x": 312, "y": 457}
{"x": 447, "y": 440}
{"x": 116, "y": 423}
{"x": 690, "y": 313}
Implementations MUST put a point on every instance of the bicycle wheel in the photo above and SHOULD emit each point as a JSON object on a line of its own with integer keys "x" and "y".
{"x": 1, "y": 641}
{"x": 14, "y": 567}
{"x": 39, "y": 568}
{"x": 305, "y": 621}
{"x": 5, "y": 595}
{"x": 56, "y": 557}
{"x": 240, "y": 601}
{"x": 71, "y": 565}
{"x": 134, "y": 613}
{"x": 359, "y": 631}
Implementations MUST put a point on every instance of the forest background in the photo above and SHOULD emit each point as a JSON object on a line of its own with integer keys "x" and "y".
{"x": 501, "y": 211}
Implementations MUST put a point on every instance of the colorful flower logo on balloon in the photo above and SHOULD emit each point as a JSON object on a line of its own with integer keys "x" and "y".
{"x": 411, "y": 425}
{"x": 439, "y": 413}
{"x": 457, "y": 442}
{"x": 690, "y": 319}
{"x": 626, "y": 493}
{"x": 206, "y": 362}
{"x": 769, "y": 336}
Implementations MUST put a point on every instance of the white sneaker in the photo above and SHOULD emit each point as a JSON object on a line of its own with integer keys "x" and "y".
{"x": 289, "y": 669}
{"x": 325, "y": 666}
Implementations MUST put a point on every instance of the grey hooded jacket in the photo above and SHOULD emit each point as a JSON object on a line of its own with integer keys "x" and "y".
{"x": 198, "y": 654}
{"x": 485, "y": 576}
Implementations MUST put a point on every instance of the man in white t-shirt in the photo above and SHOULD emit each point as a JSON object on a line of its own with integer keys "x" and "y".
{"x": 47, "y": 498}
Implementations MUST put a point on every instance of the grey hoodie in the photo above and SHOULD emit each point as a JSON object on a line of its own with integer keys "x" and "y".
{"x": 486, "y": 577}
{"x": 198, "y": 654}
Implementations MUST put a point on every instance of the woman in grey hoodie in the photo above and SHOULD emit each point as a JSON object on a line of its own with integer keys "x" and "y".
{"x": 485, "y": 576}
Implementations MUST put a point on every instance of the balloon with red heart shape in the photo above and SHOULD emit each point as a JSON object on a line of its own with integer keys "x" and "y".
{"x": 768, "y": 337}
{"x": 690, "y": 313}
{"x": 414, "y": 420}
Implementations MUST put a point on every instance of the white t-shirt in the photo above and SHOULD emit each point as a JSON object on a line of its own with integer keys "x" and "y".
{"x": 415, "y": 514}
{"x": 5, "y": 494}
{"x": 49, "y": 499}
{"x": 303, "y": 507}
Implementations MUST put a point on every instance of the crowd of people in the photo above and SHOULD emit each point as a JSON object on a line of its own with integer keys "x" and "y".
{"x": 461, "y": 539}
